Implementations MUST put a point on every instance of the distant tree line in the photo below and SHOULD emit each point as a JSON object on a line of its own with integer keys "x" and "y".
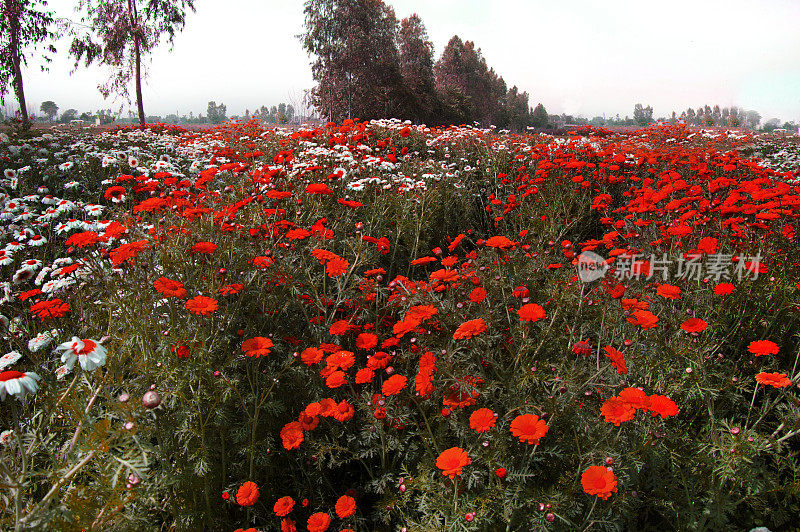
{"x": 369, "y": 65}
{"x": 705, "y": 116}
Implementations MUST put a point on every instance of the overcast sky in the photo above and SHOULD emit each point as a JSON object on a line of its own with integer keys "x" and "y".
{"x": 587, "y": 57}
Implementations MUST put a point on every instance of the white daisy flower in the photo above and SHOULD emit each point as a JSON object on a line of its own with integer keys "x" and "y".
{"x": 94, "y": 210}
{"x": 9, "y": 358}
{"x": 22, "y": 275}
{"x": 6, "y": 257}
{"x": 6, "y": 437}
{"x": 89, "y": 353}
{"x": 18, "y": 384}
{"x": 42, "y": 340}
{"x": 61, "y": 372}
{"x": 37, "y": 240}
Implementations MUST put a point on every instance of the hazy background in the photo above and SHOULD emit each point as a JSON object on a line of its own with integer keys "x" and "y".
{"x": 582, "y": 57}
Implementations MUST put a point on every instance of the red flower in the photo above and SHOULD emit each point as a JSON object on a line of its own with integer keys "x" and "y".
{"x": 366, "y": 341}
{"x": 318, "y": 188}
{"x": 423, "y": 260}
{"x": 247, "y": 494}
{"x": 451, "y": 461}
{"x": 643, "y": 318}
{"x": 405, "y": 132}
{"x": 617, "y": 410}
{"x": 283, "y": 506}
{"x": 345, "y": 506}
{"x": 582, "y": 348}
{"x": 319, "y": 522}
{"x": 663, "y": 406}
{"x": 262, "y": 263}
{"x": 339, "y": 327}
{"x": 180, "y": 351}
{"x": 82, "y": 240}
{"x": 469, "y": 329}
{"x": 311, "y": 355}
{"x": 500, "y": 242}
{"x": 169, "y": 288}
{"x": 230, "y": 289}
{"x": 482, "y": 420}
{"x": 54, "y": 308}
{"x": 529, "y": 428}
{"x": 694, "y": 325}
{"x": 636, "y": 398}
{"x": 763, "y": 347}
{"x": 292, "y": 435}
{"x": 204, "y": 247}
{"x": 421, "y": 312}
{"x": 531, "y": 312}
{"x": 617, "y": 360}
{"x": 364, "y": 375}
{"x": 394, "y": 385}
{"x": 127, "y": 251}
{"x": 343, "y": 411}
{"x": 201, "y": 305}
{"x": 723, "y": 289}
{"x": 336, "y": 267}
{"x": 150, "y": 204}
{"x": 597, "y": 480}
{"x": 336, "y": 379}
{"x": 708, "y": 245}
{"x": 257, "y": 347}
{"x": 477, "y": 295}
{"x": 668, "y": 291}
{"x": 778, "y": 380}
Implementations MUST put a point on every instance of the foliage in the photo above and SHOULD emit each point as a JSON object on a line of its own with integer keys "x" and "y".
{"x": 25, "y": 24}
{"x": 357, "y": 66}
{"x": 325, "y": 312}
{"x": 49, "y": 108}
{"x": 216, "y": 113}
{"x": 120, "y": 31}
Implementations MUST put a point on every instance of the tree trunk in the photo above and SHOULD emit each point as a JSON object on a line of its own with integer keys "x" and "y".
{"x": 14, "y": 28}
{"x": 137, "y": 59}
{"x": 139, "y": 103}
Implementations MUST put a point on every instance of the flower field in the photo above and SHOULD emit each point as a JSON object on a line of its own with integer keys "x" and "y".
{"x": 382, "y": 326}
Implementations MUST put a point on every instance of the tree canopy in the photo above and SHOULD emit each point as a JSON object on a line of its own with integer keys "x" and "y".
{"x": 121, "y": 31}
{"x": 24, "y": 24}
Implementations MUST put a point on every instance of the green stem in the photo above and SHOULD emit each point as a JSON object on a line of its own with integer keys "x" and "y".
{"x": 24, "y": 458}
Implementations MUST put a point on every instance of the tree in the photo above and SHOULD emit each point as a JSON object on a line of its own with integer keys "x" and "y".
{"x": 50, "y": 109}
{"x": 416, "y": 69}
{"x": 284, "y": 113}
{"x": 121, "y": 32}
{"x": 771, "y": 124}
{"x": 216, "y": 113}
{"x": 24, "y": 23}
{"x": 462, "y": 69}
{"x": 518, "y": 114}
{"x": 68, "y": 115}
{"x": 752, "y": 119}
{"x": 539, "y": 117}
{"x": 642, "y": 115}
{"x": 357, "y": 66}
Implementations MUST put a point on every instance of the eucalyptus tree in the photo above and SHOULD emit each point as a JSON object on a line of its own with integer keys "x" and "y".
{"x": 23, "y": 25}
{"x": 117, "y": 33}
